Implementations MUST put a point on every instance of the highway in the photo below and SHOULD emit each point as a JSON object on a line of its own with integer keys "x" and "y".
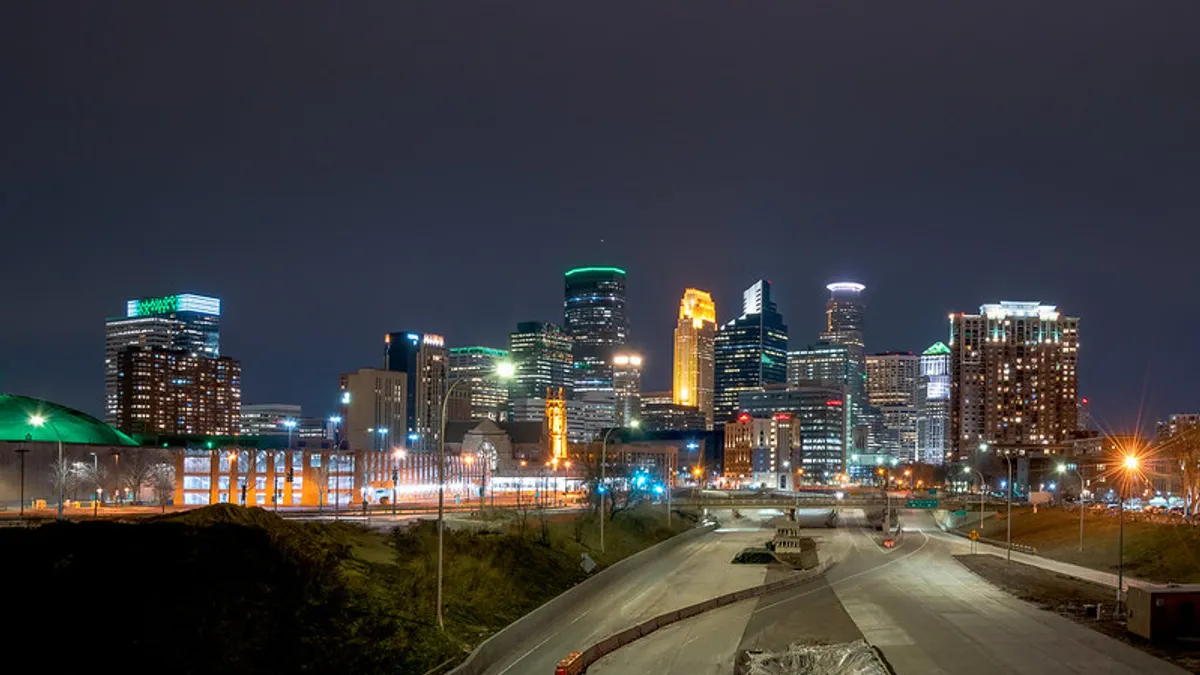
{"x": 928, "y": 615}
{"x": 690, "y": 573}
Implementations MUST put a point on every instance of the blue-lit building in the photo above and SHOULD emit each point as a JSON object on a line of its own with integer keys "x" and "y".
{"x": 595, "y": 320}
{"x": 423, "y": 358}
{"x": 185, "y": 322}
{"x": 541, "y": 354}
{"x": 750, "y": 351}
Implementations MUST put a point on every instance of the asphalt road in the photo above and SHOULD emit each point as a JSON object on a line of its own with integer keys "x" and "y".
{"x": 927, "y": 614}
{"x": 692, "y": 572}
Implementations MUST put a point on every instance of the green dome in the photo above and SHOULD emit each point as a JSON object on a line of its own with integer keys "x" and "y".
{"x": 73, "y": 426}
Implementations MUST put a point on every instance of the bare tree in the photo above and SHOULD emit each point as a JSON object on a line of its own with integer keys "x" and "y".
{"x": 322, "y": 476}
{"x": 137, "y": 471}
{"x": 1184, "y": 450}
{"x": 162, "y": 479}
{"x": 73, "y": 475}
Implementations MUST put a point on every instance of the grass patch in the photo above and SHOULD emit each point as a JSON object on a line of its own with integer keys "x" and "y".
{"x": 1153, "y": 551}
{"x": 226, "y": 589}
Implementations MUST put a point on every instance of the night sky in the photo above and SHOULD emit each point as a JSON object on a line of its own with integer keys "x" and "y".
{"x": 334, "y": 171}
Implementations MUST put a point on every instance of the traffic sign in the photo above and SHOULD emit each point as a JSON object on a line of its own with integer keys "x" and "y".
{"x": 974, "y": 535}
{"x": 922, "y": 503}
{"x": 960, "y": 513}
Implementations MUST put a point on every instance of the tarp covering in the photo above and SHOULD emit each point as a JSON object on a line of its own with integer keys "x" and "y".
{"x": 850, "y": 658}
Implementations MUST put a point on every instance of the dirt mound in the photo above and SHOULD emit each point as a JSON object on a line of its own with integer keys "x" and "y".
{"x": 227, "y": 514}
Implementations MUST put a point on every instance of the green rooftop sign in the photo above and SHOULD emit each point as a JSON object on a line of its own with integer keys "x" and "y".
{"x": 163, "y": 305}
{"x": 585, "y": 270}
{"x": 936, "y": 349}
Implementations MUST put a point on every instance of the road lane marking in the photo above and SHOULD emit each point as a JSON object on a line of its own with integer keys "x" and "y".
{"x": 522, "y": 657}
{"x": 845, "y": 579}
{"x": 580, "y": 616}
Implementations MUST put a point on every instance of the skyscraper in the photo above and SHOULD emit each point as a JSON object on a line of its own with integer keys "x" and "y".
{"x": 488, "y": 394}
{"x": 423, "y": 358}
{"x": 541, "y": 357}
{"x": 695, "y": 336}
{"x": 892, "y": 389}
{"x": 1013, "y": 378}
{"x": 750, "y": 351}
{"x": 627, "y": 385}
{"x": 933, "y": 405}
{"x": 845, "y": 315}
{"x": 186, "y": 321}
{"x": 174, "y": 392}
{"x": 594, "y": 317}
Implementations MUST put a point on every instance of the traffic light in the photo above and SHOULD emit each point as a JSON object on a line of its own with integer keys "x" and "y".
{"x": 290, "y": 475}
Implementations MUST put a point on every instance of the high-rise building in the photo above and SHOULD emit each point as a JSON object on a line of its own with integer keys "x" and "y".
{"x": 750, "y": 351}
{"x": 892, "y": 390}
{"x": 695, "y": 336}
{"x": 187, "y": 322}
{"x": 269, "y": 419}
{"x": 845, "y": 316}
{"x": 933, "y": 405}
{"x": 823, "y": 362}
{"x": 375, "y": 410}
{"x": 594, "y": 317}
{"x": 589, "y": 414}
{"x": 627, "y": 386}
{"x": 541, "y": 357}
{"x": 822, "y": 420}
{"x": 174, "y": 392}
{"x": 423, "y": 357}
{"x": 1013, "y": 378}
{"x": 488, "y": 394}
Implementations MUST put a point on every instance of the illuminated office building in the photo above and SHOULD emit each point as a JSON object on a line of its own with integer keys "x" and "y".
{"x": 892, "y": 379}
{"x": 627, "y": 387}
{"x": 1013, "y": 378}
{"x": 820, "y": 413}
{"x": 845, "y": 316}
{"x": 187, "y": 322}
{"x": 174, "y": 392}
{"x": 423, "y": 358}
{"x": 488, "y": 394}
{"x": 375, "y": 410}
{"x": 933, "y": 405}
{"x": 695, "y": 337}
{"x": 268, "y": 419}
{"x": 749, "y": 351}
{"x": 594, "y": 318}
{"x": 541, "y": 356}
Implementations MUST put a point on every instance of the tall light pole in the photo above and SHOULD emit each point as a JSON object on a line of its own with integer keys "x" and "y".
{"x": 289, "y": 425}
{"x": 603, "y": 488}
{"x": 1009, "y": 489}
{"x": 335, "y": 420}
{"x": 980, "y": 474}
{"x": 38, "y": 421}
{"x": 1062, "y": 468}
{"x": 397, "y": 455}
{"x": 1130, "y": 465}
{"x": 22, "y": 451}
{"x": 504, "y": 370}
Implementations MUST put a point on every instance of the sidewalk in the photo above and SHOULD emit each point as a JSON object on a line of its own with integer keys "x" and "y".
{"x": 1078, "y": 571}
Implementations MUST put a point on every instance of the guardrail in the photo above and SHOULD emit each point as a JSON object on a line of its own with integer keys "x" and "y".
{"x": 578, "y": 662}
{"x": 552, "y": 610}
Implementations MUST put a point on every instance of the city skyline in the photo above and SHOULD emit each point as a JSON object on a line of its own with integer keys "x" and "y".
{"x": 741, "y": 149}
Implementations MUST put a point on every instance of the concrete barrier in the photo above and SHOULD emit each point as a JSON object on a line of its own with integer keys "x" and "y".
{"x": 613, "y": 643}
{"x": 552, "y": 610}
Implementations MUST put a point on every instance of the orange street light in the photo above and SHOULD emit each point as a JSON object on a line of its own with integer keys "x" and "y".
{"x": 1131, "y": 462}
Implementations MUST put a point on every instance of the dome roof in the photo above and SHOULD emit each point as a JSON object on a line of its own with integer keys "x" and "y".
{"x": 71, "y": 425}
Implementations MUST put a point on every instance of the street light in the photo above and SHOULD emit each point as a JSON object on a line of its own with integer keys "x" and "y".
{"x": 1062, "y": 468}
{"x": 968, "y": 470}
{"x": 289, "y": 425}
{"x": 38, "y": 421}
{"x": 336, "y": 420}
{"x": 398, "y": 455}
{"x": 504, "y": 370}
{"x": 602, "y": 489}
{"x": 1130, "y": 465}
{"x": 1008, "y": 487}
